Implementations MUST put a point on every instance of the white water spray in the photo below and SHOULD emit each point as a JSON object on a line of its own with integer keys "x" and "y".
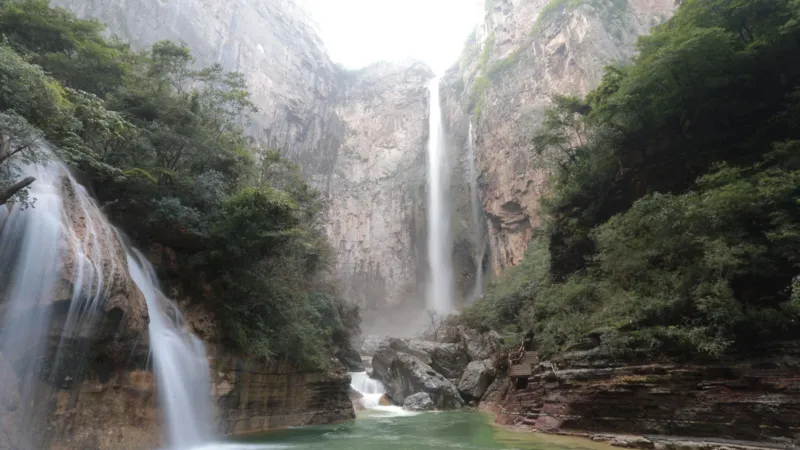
{"x": 180, "y": 362}
{"x": 65, "y": 241}
{"x": 479, "y": 239}
{"x": 371, "y": 390}
{"x": 440, "y": 286}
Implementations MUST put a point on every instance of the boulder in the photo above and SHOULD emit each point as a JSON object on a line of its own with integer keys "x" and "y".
{"x": 350, "y": 358}
{"x": 421, "y": 401}
{"x": 405, "y": 375}
{"x": 450, "y": 360}
{"x": 481, "y": 345}
{"x": 476, "y": 379}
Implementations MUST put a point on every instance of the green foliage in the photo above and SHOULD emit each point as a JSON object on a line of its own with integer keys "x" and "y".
{"x": 674, "y": 220}
{"x": 555, "y": 7}
{"x": 163, "y": 144}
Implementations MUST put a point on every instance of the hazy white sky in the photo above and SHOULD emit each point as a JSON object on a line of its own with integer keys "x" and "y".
{"x": 359, "y": 32}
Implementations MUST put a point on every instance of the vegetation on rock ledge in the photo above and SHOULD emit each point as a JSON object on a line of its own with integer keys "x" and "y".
{"x": 675, "y": 208}
{"x": 162, "y": 144}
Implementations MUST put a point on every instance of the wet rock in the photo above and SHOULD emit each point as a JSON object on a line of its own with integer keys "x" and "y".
{"x": 357, "y": 399}
{"x": 476, "y": 379}
{"x": 421, "y": 401}
{"x": 404, "y": 375}
{"x": 349, "y": 356}
{"x": 385, "y": 400}
{"x": 450, "y": 360}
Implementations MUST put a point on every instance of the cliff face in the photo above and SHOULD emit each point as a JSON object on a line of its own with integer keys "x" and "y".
{"x": 376, "y": 217}
{"x": 750, "y": 397}
{"x": 288, "y": 72}
{"x": 358, "y": 136}
{"x": 117, "y": 409}
{"x": 524, "y": 52}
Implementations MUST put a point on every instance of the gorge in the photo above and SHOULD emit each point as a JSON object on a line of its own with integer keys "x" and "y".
{"x": 587, "y": 226}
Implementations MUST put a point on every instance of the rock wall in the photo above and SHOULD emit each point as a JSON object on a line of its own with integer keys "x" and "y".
{"x": 524, "y": 52}
{"x": 376, "y": 210}
{"x": 117, "y": 409}
{"x": 359, "y": 136}
{"x": 273, "y": 43}
{"x": 752, "y": 396}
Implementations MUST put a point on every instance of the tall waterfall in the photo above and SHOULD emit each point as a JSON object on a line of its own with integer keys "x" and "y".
{"x": 440, "y": 287}
{"x": 479, "y": 238}
{"x": 64, "y": 249}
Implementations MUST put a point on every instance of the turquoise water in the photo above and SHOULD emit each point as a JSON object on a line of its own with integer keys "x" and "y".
{"x": 425, "y": 431}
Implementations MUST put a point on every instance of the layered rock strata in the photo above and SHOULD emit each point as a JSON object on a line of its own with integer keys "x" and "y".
{"x": 752, "y": 397}
{"x": 118, "y": 408}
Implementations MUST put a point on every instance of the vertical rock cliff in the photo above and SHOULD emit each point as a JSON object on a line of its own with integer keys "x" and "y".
{"x": 376, "y": 216}
{"x": 273, "y": 43}
{"x": 524, "y": 52}
{"x": 359, "y": 136}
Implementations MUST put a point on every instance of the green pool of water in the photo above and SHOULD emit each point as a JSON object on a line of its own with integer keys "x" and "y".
{"x": 437, "y": 430}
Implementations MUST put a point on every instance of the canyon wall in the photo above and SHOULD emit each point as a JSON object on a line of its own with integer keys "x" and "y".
{"x": 359, "y": 136}
{"x": 118, "y": 409}
{"x": 376, "y": 209}
{"x": 524, "y": 52}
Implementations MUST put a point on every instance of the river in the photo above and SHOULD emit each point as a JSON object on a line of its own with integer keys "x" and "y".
{"x": 389, "y": 430}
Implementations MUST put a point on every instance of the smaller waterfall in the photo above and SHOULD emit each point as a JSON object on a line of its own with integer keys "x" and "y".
{"x": 440, "y": 245}
{"x": 180, "y": 363}
{"x": 479, "y": 238}
{"x": 371, "y": 389}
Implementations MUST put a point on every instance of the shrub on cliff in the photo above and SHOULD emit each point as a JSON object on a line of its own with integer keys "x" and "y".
{"x": 674, "y": 221}
{"x": 163, "y": 145}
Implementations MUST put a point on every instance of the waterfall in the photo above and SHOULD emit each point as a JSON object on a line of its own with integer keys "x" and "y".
{"x": 29, "y": 267}
{"x": 180, "y": 363}
{"x": 63, "y": 249}
{"x": 371, "y": 390}
{"x": 440, "y": 288}
{"x": 477, "y": 225}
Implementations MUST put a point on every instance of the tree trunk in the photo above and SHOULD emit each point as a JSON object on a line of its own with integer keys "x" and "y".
{"x": 14, "y": 188}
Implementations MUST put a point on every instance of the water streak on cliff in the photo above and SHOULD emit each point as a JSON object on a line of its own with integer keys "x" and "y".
{"x": 479, "y": 240}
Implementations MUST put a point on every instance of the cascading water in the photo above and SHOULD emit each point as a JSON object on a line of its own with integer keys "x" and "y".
{"x": 371, "y": 390}
{"x": 440, "y": 288}
{"x": 180, "y": 361}
{"x": 64, "y": 249}
{"x": 30, "y": 267}
{"x": 477, "y": 225}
